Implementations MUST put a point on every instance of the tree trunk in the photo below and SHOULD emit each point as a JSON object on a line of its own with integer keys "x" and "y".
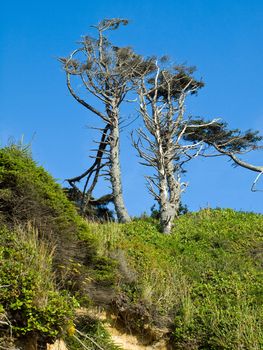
{"x": 170, "y": 193}
{"x": 115, "y": 173}
{"x": 174, "y": 189}
{"x": 164, "y": 204}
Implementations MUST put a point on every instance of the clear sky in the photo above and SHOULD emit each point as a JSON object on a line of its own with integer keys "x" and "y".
{"x": 224, "y": 39}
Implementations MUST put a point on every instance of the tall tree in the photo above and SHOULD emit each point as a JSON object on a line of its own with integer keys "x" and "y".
{"x": 106, "y": 72}
{"x": 160, "y": 143}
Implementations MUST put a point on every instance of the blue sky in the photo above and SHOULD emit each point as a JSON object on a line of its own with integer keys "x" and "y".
{"x": 222, "y": 38}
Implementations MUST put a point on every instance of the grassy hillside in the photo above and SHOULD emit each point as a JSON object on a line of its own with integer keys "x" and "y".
{"x": 200, "y": 288}
{"x": 45, "y": 266}
{"x": 204, "y": 282}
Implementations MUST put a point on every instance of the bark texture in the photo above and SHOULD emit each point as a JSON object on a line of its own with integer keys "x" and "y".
{"x": 115, "y": 172}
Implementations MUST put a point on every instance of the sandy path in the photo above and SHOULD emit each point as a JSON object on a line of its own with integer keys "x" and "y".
{"x": 125, "y": 340}
{"x": 130, "y": 342}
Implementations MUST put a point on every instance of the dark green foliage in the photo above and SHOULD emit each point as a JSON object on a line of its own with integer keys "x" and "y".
{"x": 113, "y": 23}
{"x": 219, "y": 134}
{"x": 180, "y": 79}
{"x": 28, "y": 192}
{"x": 92, "y": 209}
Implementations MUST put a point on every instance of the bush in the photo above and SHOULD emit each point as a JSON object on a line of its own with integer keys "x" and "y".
{"x": 48, "y": 263}
{"x": 28, "y": 192}
{"x": 28, "y": 295}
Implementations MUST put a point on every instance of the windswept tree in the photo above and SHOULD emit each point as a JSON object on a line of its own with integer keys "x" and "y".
{"x": 221, "y": 140}
{"x": 160, "y": 144}
{"x": 107, "y": 73}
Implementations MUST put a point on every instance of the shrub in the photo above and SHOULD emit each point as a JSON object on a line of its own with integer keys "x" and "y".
{"x": 28, "y": 295}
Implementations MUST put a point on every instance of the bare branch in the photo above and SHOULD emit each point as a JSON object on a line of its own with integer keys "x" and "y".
{"x": 84, "y": 103}
{"x": 256, "y": 168}
{"x": 253, "y": 188}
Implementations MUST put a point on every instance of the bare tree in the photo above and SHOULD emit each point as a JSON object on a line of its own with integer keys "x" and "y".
{"x": 224, "y": 141}
{"x": 160, "y": 144}
{"x": 106, "y": 72}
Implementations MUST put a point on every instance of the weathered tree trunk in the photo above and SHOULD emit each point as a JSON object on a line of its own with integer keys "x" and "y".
{"x": 115, "y": 172}
{"x": 170, "y": 193}
{"x": 165, "y": 208}
{"x": 174, "y": 189}
{"x": 163, "y": 195}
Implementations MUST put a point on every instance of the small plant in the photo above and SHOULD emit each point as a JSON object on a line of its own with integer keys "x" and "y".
{"x": 90, "y": 334}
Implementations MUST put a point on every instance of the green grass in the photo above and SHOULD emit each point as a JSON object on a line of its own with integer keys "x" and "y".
{"x": 204, "y": 281}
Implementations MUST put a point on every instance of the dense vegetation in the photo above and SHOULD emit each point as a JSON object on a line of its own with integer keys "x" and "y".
{"x": 200, "y": 287}
{"x": 203, "y": 282}
{"x": 43, "y": 271}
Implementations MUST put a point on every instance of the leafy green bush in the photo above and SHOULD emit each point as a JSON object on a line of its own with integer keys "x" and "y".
{"x": 28, "y": 295}
{"x": 42, "y": 273}
{"x": 28, "y": 192}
